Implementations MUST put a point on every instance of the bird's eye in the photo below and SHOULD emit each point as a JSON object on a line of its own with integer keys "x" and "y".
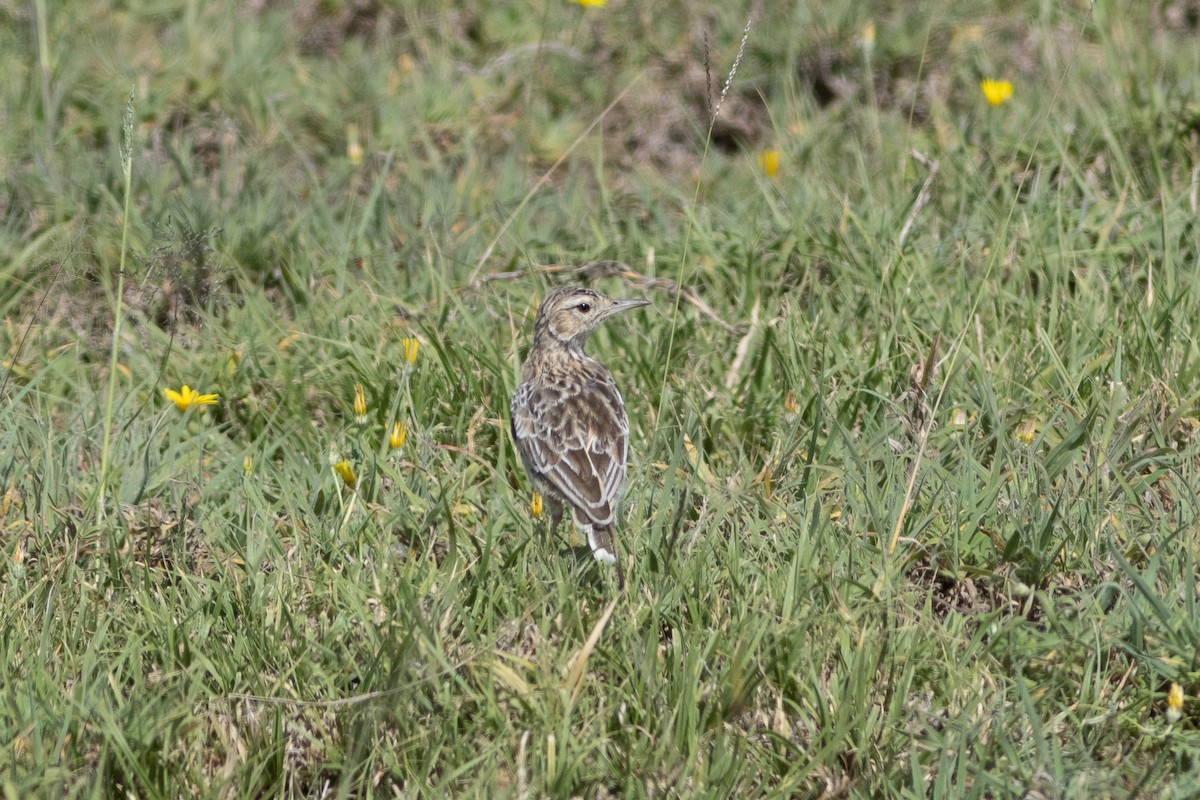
{"x": 584, "y": 307}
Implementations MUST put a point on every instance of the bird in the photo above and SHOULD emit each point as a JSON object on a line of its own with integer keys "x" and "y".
{"x": 568, "y": 418}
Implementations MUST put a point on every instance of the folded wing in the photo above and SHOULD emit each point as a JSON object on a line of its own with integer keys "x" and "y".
{"x": 578, "y": 442}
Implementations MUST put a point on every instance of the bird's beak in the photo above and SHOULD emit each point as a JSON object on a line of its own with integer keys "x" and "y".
{"x": 624, "y": 305}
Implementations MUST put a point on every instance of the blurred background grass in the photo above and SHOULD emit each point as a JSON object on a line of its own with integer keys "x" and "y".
{"x": 912, "y": 509}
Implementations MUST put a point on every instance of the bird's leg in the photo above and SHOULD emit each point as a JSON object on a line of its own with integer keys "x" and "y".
{"x": 555, "y": 507}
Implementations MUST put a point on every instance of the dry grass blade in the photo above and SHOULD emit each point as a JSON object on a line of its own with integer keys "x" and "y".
{"x": 645, "y": 284}
{"x": 922, "y": 198}
{"x": 578, "y": 666}
{"x": 743, "y": 347}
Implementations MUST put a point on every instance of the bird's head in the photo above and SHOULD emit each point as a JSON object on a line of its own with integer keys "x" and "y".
{"x": 568, "y": 315}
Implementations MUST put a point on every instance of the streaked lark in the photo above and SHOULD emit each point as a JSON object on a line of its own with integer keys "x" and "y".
{"x": 568, "y": 418}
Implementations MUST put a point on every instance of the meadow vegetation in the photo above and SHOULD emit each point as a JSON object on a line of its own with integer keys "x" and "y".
{"x": 913, "y": 496}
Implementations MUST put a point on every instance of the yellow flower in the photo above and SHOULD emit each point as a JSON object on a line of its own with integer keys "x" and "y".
{"x": 535, "y": 505}
{"x": 345, "y": 472}
{"x": 399, "y": 434}
{"x": 360, "y": 405}
{"x": 248, "y": 464}
{"x": 768, "y": 162}
{"x": 410, "y": 350}
{"x": 589, "y": 3}
{"x": 1026, "y": 432}
{"x": 354, "y": 148}
{"x": 1174, "y": 703}
{"x": 187, "y": 397}
{"x": 996, "y": 92}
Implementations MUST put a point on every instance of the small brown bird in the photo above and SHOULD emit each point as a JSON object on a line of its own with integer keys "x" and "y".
{"x": 568, "y": 418}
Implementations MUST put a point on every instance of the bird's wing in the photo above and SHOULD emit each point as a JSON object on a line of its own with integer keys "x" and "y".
{"x": 524, "y": 419}
{"x": 577, "y": 441}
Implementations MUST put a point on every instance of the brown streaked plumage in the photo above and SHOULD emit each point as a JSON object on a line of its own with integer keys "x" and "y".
{"x": 568, "y": 418}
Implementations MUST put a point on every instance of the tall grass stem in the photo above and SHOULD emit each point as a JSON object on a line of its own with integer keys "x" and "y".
{"x": 118, "y": 307}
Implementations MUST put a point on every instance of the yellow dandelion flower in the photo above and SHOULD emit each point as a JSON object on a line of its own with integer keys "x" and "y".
{"x": 1174, "y": 703}
{"x": 354, "y": 148}
{"x": 996, "y": 92}
{"x": 535, "y": 505}
{"x": 410, "y": 350}
{"x": 187, "y": 397}
{"x": 345, "y": 472}
{"x": 248, "y": 464}
{"x": 1026, "y": 432}
{"x": 768, "y": 162}
{"x": 399, "y": 434}
{"x": 360, "y": 404}
{"x": 590, "y": 3}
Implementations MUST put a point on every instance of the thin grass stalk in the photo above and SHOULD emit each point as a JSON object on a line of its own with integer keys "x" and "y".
{"x": 684, "y": 271}
{"x": 118, "y": 307}
{"x": 43, "y": 48}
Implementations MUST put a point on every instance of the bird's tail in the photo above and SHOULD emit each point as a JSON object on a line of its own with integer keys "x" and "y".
{"x": 601, "y": 542}
{"x": 600, "y": 539}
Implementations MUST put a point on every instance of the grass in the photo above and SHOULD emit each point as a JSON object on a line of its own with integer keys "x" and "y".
{"x": 912, "y": 509}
